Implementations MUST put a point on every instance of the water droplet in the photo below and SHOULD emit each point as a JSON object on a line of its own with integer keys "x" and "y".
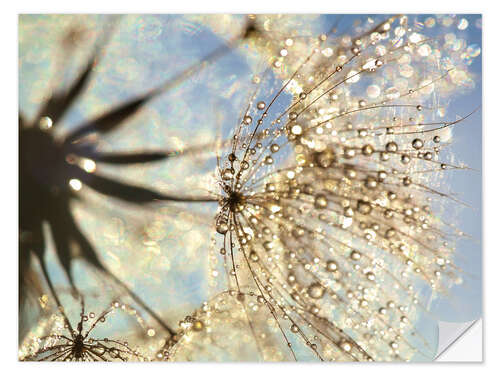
{"x": 270, "y": 187}
{"x": 367, "y": 150}
{"x": 349, "y": 153}
{"x": 364, "y": 207}
{"x": 75, "y": 184}
{"x": 227, "y": 174}
{"x": 346, "y": 346}
{"x": 268, "y": 245}
{"x": 315, "y": 291}
{"x": 297, "y": 129}
{"x": 331, "y": 266}
{"x": 391, "y": 147}
{"x": 222, "y": 228}
{"x": 355, "y": 255}
{"x": 348, "y": 212}
{"x": 320, "y": 201}
{"x": 382, "y": 175}
{"x": 371, "y": 182}
{"x": 45, "y": 123}
{"x": 417, "y": 144}
{"x": 325, "y": 158}
{"x": 405, "y": 159}
{"x": 198, "y": 325}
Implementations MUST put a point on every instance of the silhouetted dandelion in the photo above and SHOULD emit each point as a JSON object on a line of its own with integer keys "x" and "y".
{"x": 54, "y": 168}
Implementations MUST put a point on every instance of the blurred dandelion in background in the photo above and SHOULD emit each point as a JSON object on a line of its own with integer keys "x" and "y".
{"x": 298, "y": 200}
{"x": 67, "y": 343}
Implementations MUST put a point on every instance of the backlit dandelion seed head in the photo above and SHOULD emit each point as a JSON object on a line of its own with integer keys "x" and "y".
{"x": 328, "y": 208}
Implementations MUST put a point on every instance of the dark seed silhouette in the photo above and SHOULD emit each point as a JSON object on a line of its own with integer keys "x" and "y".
{"x": 50, "y": 177}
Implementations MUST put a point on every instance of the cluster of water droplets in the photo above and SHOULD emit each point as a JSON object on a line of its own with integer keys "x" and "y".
{"x": 327, "y": 220}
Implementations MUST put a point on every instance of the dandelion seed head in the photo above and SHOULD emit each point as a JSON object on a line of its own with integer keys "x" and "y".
{"x": 339, "y": 219}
